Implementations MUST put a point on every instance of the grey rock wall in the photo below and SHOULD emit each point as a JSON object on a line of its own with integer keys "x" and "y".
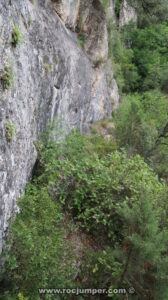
{"x": 68, "y": 10}
{"x": 87, "y": 19}
{"x": 53, "y": 77}
{"x": 112, "y": 86}
{"x": 111, "y": 9}
{"x": 127, "y": 13}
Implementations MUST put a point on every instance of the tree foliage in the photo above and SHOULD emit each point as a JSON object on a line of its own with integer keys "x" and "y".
{"x": 37, "y": 255}
{"x": 120, "y": 202}
{"x": 116, "y": 200}
{"x": 150, "y": 54}
{"x": 150, "y": 11}
{"x": 111, "y": 193}
{"x": 140, "y": 121}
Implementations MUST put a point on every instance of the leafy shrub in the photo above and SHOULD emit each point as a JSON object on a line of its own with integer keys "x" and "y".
{"x": 10, "y": 130}
{"x": 117, "y": 7}
{"x": 118, "y": 200}
{"x": 159, "y": 158}
{"x": 121, "y": 203}
{"x": 48, "y": 67}
{"x": 37, "y": 257}
{"x": 81, "y": 40}
{"x": 17, "y": 36}
{"x": 99, "y": 268}
{"x": 100, "y": 145}
{"x": 81, "y": 167}
{"x": 30, "y": 21}
{"x": 7, "y": 77}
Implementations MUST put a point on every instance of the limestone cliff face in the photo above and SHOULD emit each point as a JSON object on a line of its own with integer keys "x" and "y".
{"x": 52, "y": 76}
{"x": 88, "y": 20}
{"x": 111, "y": 9}
{"x": 127, "y": 13}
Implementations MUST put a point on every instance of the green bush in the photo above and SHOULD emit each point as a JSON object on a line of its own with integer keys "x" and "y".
{"x": 117, "y": 7}
{"x": 38, "y": 255}
{"x": 17, "y": 36}
{"x": 118, "y": 202}
{"x": 6, "y": 77}
{"x": 100, "y": 145}
{"x": 159, "y": 158}
{"x": 99, "y": 268}
{"x": 81, "y": 40}
{"x": 121, "y": 203}
{"x": 48, "y": 67}
{"x": 11, "y": 130}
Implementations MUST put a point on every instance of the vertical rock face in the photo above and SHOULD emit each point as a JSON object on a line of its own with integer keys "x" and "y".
{"x": 52, "y": 76}
{"x": 92, "y": 24}
{"x": 113, "y": 87}
{"x": 88, "y": 19}
{"x": 112, "y": 84}
{"x": 111, "y": 8}
{"x": 127, "y": 14}
{"x": 68, "y": 10}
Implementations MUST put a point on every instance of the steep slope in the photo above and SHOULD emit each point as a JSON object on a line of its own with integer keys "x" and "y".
{"x": 52, "y": 76}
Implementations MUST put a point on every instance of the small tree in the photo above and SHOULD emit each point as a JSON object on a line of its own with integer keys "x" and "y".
{"x": 144, "y": 247}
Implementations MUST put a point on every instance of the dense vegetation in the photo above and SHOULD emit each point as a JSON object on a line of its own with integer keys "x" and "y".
{"x": 119, "y": 203}
{"x": 139, "y": 54}
{"x": 112, "y": 191}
